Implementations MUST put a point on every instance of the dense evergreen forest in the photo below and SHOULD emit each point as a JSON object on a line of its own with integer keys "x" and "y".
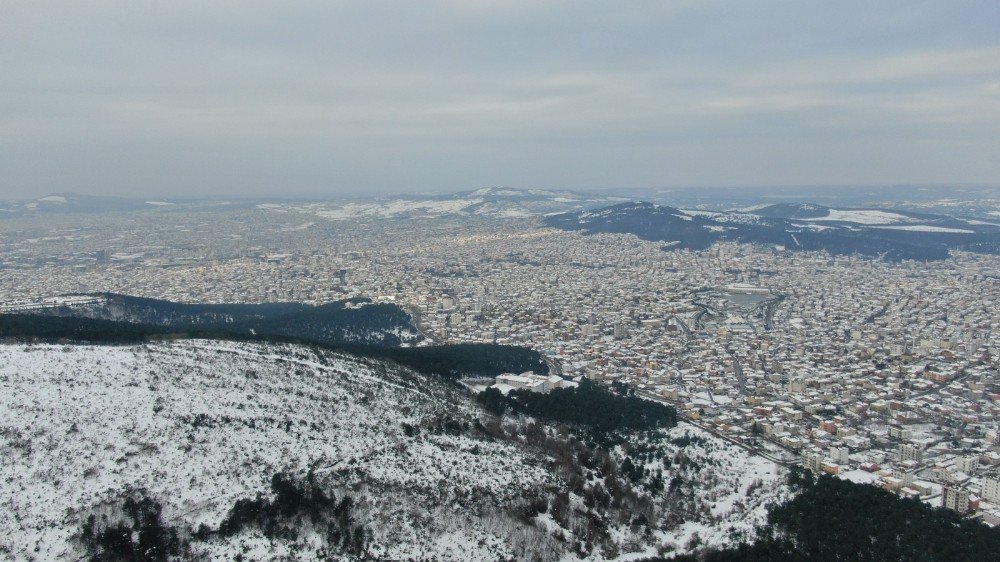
{"x": 356, "y": 320}
{"x": 450, "y": 361}
{"x": 53, "y": 328}
{"x": 462, "y": 360}
{"x": 837, "y": 520}
{"x": 588, "y": 405}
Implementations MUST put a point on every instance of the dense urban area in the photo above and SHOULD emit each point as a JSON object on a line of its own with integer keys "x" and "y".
{"x": 877, "y": 372}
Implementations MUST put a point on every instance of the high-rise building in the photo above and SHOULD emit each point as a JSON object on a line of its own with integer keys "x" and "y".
{"x": 968, "y": 464}
{"x": 811, "y": 460}
{"x": 840, "y": 455}
{"x": 955, "y": 499}
{"x": 911, "y": 452}
{"x": 991, "y": 488}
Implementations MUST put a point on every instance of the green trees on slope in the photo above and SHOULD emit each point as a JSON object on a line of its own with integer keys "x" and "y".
{"x": 588, "y": 405}
{"x": 836, "y": 520}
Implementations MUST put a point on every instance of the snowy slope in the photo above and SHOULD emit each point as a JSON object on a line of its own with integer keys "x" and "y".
{"x": 199, "y": 424}
{"x": 728, "y": 490}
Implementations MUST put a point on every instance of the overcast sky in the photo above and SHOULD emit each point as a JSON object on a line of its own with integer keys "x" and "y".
{"x": 249, "y": 97}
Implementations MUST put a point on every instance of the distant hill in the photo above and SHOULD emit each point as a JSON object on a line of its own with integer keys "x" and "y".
{"x": 496, "y": 202}
{"x": 76, "y": 203}
{"x": 789, "y": 211}
{"x": 955, "y": 200}
{"x": 889, "y": 235}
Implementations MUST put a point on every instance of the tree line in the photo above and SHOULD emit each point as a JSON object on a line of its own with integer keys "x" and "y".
{"x": 588, "y": 405}
{"x": 449, "y": 361}
{"x": 834, "y": 519}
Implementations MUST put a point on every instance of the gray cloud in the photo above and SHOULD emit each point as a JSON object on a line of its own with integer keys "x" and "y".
{"x": 256, "y": 97}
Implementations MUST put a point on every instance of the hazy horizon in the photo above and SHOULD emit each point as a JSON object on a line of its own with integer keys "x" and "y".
{"x": 263, "y": 99}
{"x": 832, "y": 194}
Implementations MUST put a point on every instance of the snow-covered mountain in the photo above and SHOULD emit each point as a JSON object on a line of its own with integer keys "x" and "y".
{"x": 76, "y": 203}
{"x": 178, "y": 444}
{"x": 892, "y": 235}
{"x": 486, "y": 202}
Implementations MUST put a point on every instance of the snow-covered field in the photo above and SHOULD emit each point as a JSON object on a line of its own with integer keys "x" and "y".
{"x": 198, "y": 424}
{"x": 928, "y": 228}
{"x": 862, "y": 216}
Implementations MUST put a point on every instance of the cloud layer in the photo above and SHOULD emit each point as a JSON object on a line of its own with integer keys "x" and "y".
{"x": 257, "y": 97}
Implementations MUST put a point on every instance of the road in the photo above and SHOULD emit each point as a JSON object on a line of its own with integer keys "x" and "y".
{"x": 713, "y": 431}
{"x": 415, "y": 316}
{"x": 555, "y": 368}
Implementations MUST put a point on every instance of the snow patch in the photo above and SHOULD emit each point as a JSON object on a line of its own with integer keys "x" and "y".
{"x": 861, "y": 216}
{"x": 928, "y": 228}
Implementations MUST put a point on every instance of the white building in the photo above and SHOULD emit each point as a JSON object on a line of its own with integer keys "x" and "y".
{"x": 911, "y": 452}
{"x": 530, "y": 381}
{"x": 991, "y": 488}
{"x": 797, "y": 385}
{"x": 967, "y": 465}
{"x": 840, "y": 454}
{"x": 955, "y": 499}
{"x": 811, "y": 460}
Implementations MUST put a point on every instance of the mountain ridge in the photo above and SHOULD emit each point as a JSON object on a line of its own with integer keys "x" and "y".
{"x": 487, "y": 202}
{"x": 888, "y": 235}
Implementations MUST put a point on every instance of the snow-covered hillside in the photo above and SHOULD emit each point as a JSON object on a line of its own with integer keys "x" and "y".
{"x": 75, "y": 203}
{"x": 892, "y": 236}
{"x": 197, "y": 425}
{"x": 484, "y": 202}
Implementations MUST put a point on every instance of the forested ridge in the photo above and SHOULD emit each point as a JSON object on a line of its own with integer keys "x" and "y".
{"x": 450, "y": 361}
{"x": 355, "y": 320}
{"x": 830, "y": 519}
